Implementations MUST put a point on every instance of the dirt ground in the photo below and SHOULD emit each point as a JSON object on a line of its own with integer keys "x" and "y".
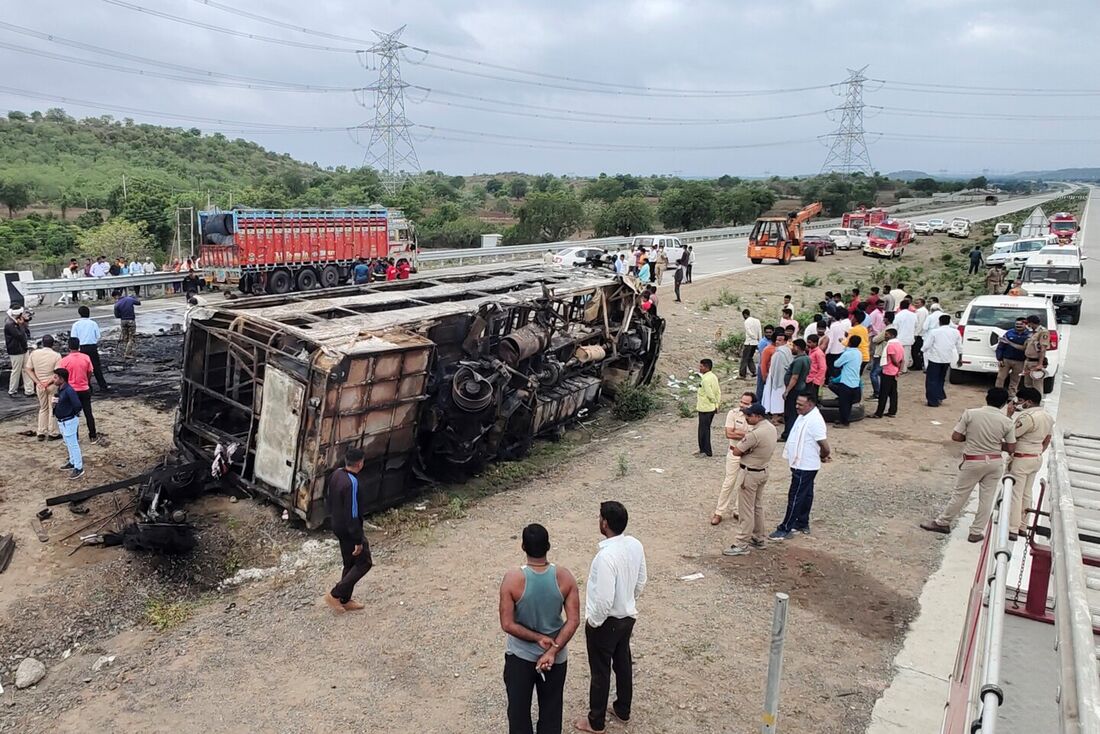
{"x": 426, "y": 654}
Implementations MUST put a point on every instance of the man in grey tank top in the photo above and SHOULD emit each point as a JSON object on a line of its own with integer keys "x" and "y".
{"x": 532, "y": 598}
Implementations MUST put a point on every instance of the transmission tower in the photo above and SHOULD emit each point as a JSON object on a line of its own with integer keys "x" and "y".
{"x": 390, "y": 150}
{"x": 847, "y": 146}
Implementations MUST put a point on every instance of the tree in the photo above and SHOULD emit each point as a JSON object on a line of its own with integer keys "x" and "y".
{"x": 518, "y": 188}
{"x": 925, "y": 185}
{"x": 550, "y": 216}
{"x": 494, "y": 186}
{"x": 604, "y": 189}
{"x": 689, "y": 206}
{"x": 626, "y": 217}
{"x": 979, "y": 182}
{"x": 15, "y": 196}
{"x": 457, "y": 182}
{"x": 117, "y": 237}
{"x": 743, "y": 203}
{"x": 147, "y": 203}
{"x": 547, "y": 182}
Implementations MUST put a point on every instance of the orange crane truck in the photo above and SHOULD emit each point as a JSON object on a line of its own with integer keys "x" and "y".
{"x": 780, "y": 238}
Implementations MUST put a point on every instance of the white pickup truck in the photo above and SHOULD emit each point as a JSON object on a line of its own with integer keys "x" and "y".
{"x": 960, "y": 227}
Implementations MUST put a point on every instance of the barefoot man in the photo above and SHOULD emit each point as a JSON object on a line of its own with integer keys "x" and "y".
{"x": 347, "y": 526}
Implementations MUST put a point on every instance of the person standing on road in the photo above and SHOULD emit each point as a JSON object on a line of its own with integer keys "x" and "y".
{"x": 905, "y": 321}
{"x": 1034, "y": 430}
{"x": 39, "y": 368}
{"x": 753, "y": 333}
{"x": 940, "y": 351}
{"x": 984, "y": 432}
{"x": 1010, "y": 357}
{"x": 1035, "y": 353}
{"x": 124, "y": 312}
{"x": 816, "y": 379}
{"x": 100, "y": 269}
{"x": 706, "y": 404}
{"x": 69, "y": 272}
{"x": 79, "y": 366}
{"x": 17, "y": 342}
{"x": 806, "y": 449}
{"x": 754, "y": 452}
{"x": 889, "y": 365}
{"x": 86, "y": 332}
{"x": 691, "y": 261}
{"x": 66, "y": 409}
{"x": 532, "y": 599}
{"x": 677, "y": 281}
{"x": 548, "y": 257}
{"x": 736, "y": 427}
{"x": 795, "y": 384}
{"x": 975, "y": 260}
{"x": 347, "y": 526}
{"x": 661, "y": 265}
{"x": 615, "y": 581}
{"x": 846, "y": 384}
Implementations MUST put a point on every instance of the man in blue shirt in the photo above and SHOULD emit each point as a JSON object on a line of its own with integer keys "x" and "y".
{"x": 1010, "y": 356}
{"x": 86, "y": 331}
{"x": 124, "y": 312}
{"x": 765, "y": 340}
{"x": 66, "y": 409}
{"x": 346, "y": 520}
{"x": 846, "y": 384}
{"x": 361, "y": 272}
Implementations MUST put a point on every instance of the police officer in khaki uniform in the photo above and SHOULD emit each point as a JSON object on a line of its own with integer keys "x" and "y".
{"x": 995, "y": 280}
{"x": 755, "y": 450}
{"x": 984, "y": 432}
{"x": 1035, "y": 352}
{"x": 1034, "y": 429}
{"x": 736, "y": 428}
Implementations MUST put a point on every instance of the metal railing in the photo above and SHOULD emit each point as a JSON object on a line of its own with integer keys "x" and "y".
{"x": 1079, "y": 684}
{"x": 990, "y": 693}
{"x": 109, "y": 283}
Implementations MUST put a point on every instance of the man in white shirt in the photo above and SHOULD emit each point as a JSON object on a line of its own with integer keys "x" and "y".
{"x": 806, "y": 448}
{"x": 753, "y": 333}
{"x": 921, "y": 312}
{"x": 941, "y": 348}
{"x": 617, "y": 577}
{"x": 905, "y": 321}
{"x": 837, "y": 333}
{"x": 899, "y": 294}
{"x": 690, "y": 262}
{"x": 149, "y": 268}
{"x": 100, "y": 269}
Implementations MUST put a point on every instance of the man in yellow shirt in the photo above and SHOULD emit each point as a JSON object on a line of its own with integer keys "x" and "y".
{"x": 858, "y": 329}
{"x": 706, "y": 404}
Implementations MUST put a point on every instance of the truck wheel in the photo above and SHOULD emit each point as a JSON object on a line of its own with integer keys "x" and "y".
{"x": 307, "y": 279}
{"x": 330, "y": 276}
{"x": 786, "y": 258}
{"x": 756, "y": 260}
{"x": 279, "y": 282}
{"x": 811, "y": 254}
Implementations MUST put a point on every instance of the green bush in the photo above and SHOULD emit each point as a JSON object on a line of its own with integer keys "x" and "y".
{"x": 633, "y": 402}
{"x": 730, "y": 343}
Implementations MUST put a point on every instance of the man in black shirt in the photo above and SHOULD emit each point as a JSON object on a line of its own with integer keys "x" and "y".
{"x": 347, "y": 526}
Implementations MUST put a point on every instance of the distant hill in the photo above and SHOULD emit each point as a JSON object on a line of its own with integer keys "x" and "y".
{"x": 1075, "y": 174}
{"x": 57, "y": 156}
{"x": 907, "y": 175}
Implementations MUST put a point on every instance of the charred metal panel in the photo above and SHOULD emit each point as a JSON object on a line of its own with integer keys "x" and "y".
{"x": 439, "y": 374}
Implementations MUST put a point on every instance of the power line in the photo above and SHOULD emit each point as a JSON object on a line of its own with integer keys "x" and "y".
{"x": 962, "y": 115}
{"x": 932, "y": 88}
{"x": 228, "y": 31}
{"x": 848, "y": 150}
{"x": 390, "y": 148}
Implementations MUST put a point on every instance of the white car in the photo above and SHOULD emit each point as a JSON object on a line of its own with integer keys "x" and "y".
{"x": 1057, "y": 276}
{"x": 1015, "y": 253}
{"x": 959, "y": 228}
{"x": 922, "y": 228}
{"x": 983, "y": 322}
{"x": 937, "y": 225}
{"x": 651, "y": 242}
{"x": 847, "y": 238}
{"x": 577, "y": 256}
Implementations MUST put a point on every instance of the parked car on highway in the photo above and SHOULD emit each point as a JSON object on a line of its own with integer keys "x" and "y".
{"x": 986, "y": 319}
{"x": 1015, "y": 253}
{"x": 823, "y": 243}
{"x": 937, "y": 225}
{"x": 1058, "y": 277}
{"x": 1010, "y": 237}
{"x": 580, "y": 256}
{"x": 922, "y": 228}
{"x": 847, "y": 238}
{"x": 651, "y": 242}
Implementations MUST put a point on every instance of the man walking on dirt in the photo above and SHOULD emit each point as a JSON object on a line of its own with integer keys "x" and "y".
{"x": 736, "y": 428}
{"x": 753, "y": 332}
{"x": 124, "y": 312}
{"x": 975, "y": 260}
{"x": 754, "y": 451}
{"x": 615, "y": 580}
{"x": 66, "y": 409}
{"x": 706, "y": 404}
{"x": 806, "y": 449}
{"x": 86, "y": 332}
{"x": 39, "y": 368}
{"x": 532, "y": 598}
{"x": 17, "y": 342}
{"x": 79, "y": 366}
{"x": 347, "y": 526}
{"x": 940, "y": 351}
{"x": 984, "y": 432}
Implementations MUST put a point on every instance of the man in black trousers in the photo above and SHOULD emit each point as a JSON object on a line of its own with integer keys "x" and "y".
{"x": 347, "y": 526}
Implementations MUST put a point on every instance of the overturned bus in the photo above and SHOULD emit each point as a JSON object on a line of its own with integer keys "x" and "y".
{"x": 431, "y": 377}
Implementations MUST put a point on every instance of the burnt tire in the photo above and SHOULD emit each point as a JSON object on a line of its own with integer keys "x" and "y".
{"x": 330, "y": 276}
{"x": 831, "y": 414}
{"x": 307, "y": 279}
{"x": 279, "y": 282}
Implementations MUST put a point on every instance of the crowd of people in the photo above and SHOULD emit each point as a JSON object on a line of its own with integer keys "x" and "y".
{"x": 371, "y": 270}
{"x": 102, "y": 267}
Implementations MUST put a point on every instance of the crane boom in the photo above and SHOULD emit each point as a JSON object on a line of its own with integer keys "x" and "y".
{"x": 807, "y": 213}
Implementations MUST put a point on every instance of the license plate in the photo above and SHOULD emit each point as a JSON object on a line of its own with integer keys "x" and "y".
{"x": 987, "y": 365}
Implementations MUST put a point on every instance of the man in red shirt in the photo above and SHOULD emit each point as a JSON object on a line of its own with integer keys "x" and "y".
{"x": 403, "y": 270}
{"x": 816, "y": 379}
{"x": 874, "y": 299}
{"x": 391, "y": 270}
{"x": 853, "y": 306}
{"x": 79, "y": 366}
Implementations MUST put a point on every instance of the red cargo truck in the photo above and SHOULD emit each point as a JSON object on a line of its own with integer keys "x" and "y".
{"x": 863, "y": 218}
{"x": 280, "y": 250}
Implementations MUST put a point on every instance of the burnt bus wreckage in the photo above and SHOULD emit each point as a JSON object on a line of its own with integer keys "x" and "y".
{"x": 431, "y": 377}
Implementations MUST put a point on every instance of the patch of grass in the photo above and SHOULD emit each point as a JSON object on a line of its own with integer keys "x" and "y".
{"x": 730, "y": 343}
{"x": 622, "y": 468}
{"x": 632, "y": 402}
{"x": 455, "y": 509}
{"x": 162, "y": 614}
{"x": 724, "y": 298}
{"x": 684, "y": 409}
{"x": 810, "y": 281}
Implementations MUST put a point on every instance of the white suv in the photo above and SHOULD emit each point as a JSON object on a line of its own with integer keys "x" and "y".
{"x": 673, "y": 248}
{"x": 1057, "y": 276}
{"x": 983, "y": 322}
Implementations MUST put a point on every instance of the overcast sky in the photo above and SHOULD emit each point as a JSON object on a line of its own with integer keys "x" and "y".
{"x": 746, "y": 45}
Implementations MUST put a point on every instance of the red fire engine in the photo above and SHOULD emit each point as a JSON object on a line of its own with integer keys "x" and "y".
{"x": 1064, "y": 226}
{"x": 863, "y": 218}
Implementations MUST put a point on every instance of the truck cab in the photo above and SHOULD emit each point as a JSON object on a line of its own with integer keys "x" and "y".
{"x": 888, "y": 239}
{"x": 1063, "y": 225}
{"x": 1057, "y": 277}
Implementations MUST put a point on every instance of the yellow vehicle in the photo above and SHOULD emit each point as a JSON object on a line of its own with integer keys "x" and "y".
{"x": 780, "y": 238}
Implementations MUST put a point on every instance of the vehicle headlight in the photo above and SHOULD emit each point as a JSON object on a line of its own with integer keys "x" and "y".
{"x": 1072, "y": 298}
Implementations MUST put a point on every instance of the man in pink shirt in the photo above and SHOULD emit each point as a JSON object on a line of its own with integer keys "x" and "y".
{"x": 816, "y": 378}
{"x": 878, "y": 318}
{"x": 789, "y": 320}
{"x": 79, "y": 366}
{"x": 893, "y": 359}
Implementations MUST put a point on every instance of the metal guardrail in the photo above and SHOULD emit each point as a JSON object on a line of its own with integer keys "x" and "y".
{"x": 109, "y": 283}
{"x": 1079, "y": 684}
{"x": 990, "y": 694}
